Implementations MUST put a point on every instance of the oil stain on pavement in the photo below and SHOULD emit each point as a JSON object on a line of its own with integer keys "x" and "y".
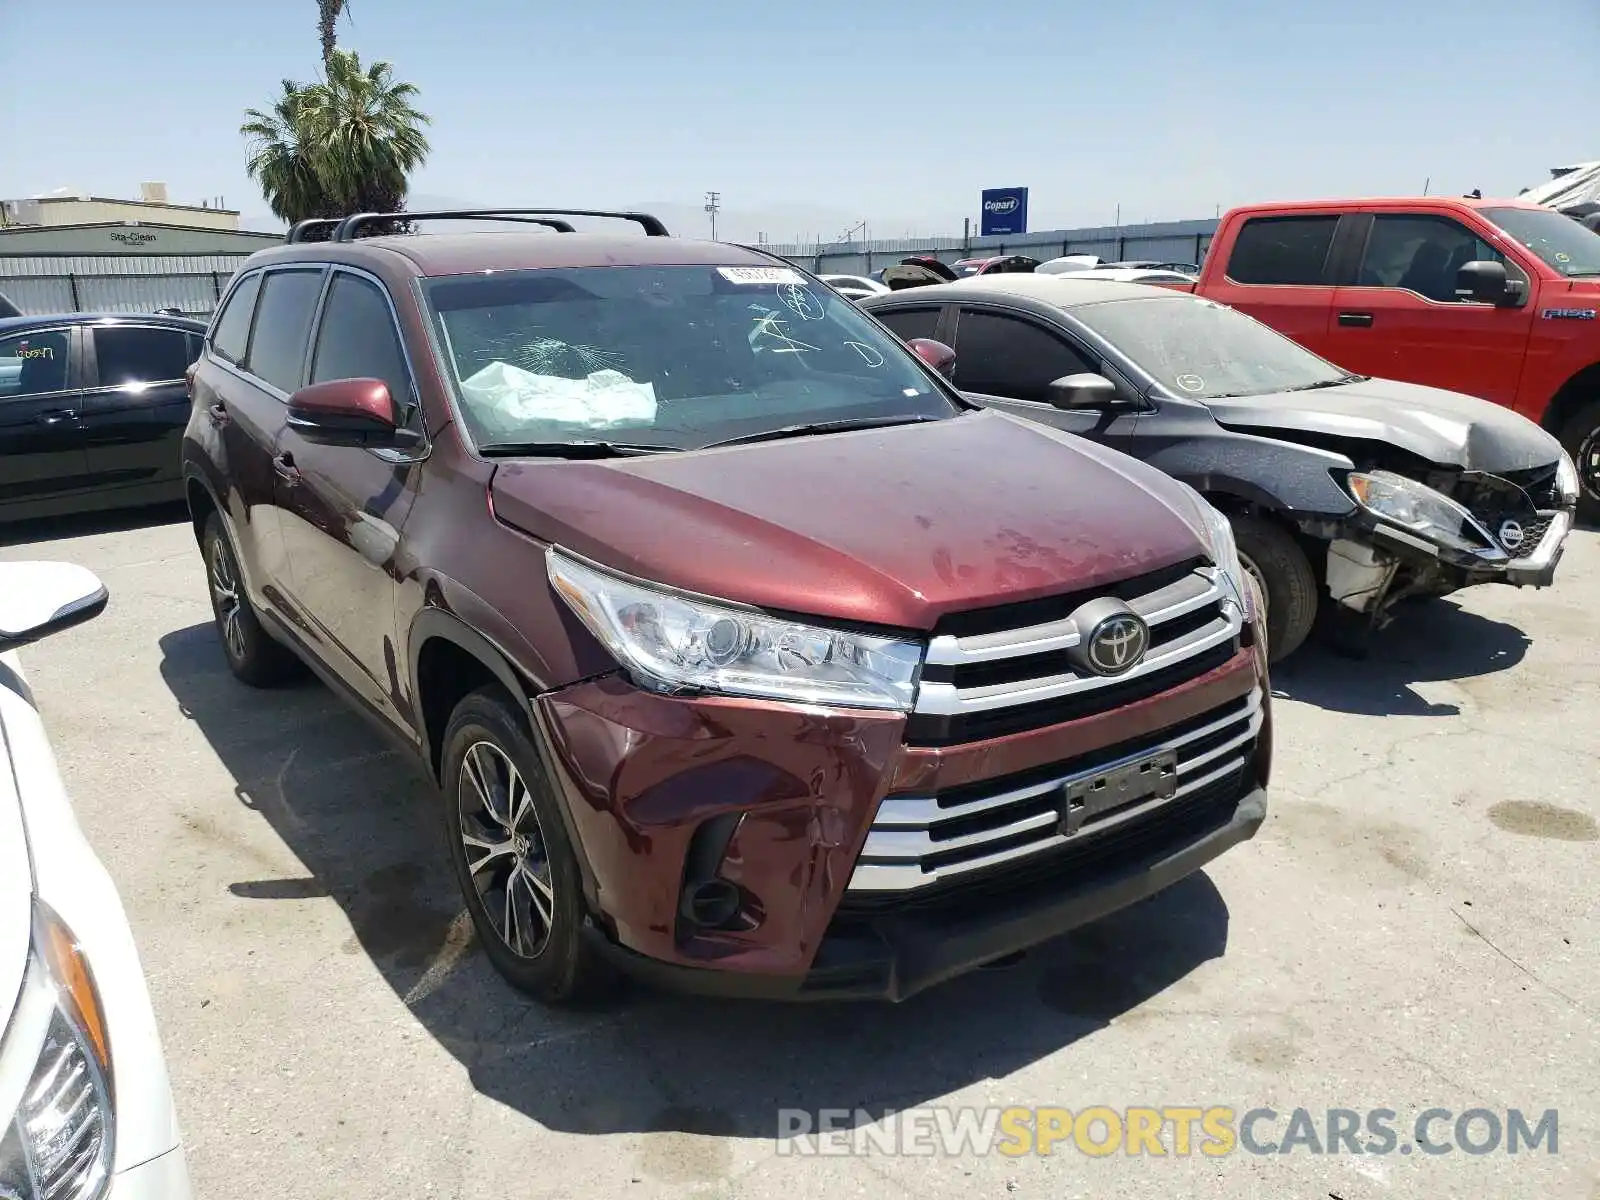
{"x": 1538, "y": 819}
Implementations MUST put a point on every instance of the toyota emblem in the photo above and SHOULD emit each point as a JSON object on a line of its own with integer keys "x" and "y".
{"x": 1117, "y": 644}
{"x": 1511, "y": 534}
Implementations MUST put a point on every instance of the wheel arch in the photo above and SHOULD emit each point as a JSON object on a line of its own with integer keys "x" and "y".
{"x": 1571, "y": 397}
{"x": 448, "y": 660}
{"x": 202, "y": 503}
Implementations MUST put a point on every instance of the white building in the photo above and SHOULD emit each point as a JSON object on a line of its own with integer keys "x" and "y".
{"x": 71, "y": 253}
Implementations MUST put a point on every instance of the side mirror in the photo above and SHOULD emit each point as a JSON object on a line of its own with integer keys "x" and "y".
{"x": 935, "y": 354}
{"x": 1487, "y": 283}
{"x": 41, "y": 598}
{"x": 349, "y": 412}
{"x": 1087, "y": 390}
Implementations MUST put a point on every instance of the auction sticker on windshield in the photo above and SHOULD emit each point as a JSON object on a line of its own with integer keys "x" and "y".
{"x": 759, "y": 275}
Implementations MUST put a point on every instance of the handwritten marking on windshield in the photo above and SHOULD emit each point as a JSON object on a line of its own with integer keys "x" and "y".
{"x": 869, "y": 354}
{"x": 772, "y": 326}
{"x": 800, "y": 301}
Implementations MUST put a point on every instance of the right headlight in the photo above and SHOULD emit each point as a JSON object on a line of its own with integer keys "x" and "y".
{"x": 60, "y": 1141}
{"x": 1566, "y": 480}
{"x": 1423, "y": 511}
{"x": 670, "y": 642}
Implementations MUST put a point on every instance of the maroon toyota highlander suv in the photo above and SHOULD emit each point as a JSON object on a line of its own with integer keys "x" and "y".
{"x": 747, "y": 655}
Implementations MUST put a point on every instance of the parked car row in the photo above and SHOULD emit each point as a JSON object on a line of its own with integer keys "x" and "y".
{"x": 759, "y": 640}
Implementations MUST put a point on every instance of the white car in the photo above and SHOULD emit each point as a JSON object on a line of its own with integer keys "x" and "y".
{"x": 85, "y": 1104}
{"x": 853, "y": 287}
{"x": 1133, "y": 275}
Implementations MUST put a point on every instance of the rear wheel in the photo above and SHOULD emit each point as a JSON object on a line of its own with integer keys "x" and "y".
{"x": 1581, "y": 437}
{"x": 511, "y": 855}
{"x": 1283, "y": 573}
{"x": 253, "y": 656}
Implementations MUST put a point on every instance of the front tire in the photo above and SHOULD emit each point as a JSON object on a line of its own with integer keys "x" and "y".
{"x": 513, "y": 861}
{"x": 1581, "y": 438}
{"x": 253, "y": 656}
{"x": 1288, "y": 584}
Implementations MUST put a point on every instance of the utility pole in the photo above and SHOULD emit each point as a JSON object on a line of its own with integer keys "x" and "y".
{"x": 713, "y": 203}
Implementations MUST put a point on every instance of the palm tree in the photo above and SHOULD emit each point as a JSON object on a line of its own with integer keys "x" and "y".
{"x": 372, "y": 137}
{"x": 328, "y": 12}
{"x": 282, "y": 160}
{"x": 347, "y": 143}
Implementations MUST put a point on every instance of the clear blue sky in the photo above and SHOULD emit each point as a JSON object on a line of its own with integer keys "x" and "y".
{"x": 801, "y": 114}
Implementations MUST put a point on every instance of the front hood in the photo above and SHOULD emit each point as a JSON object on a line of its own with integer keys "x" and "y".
{"x": 893, "y": 526}
{"x": 16, "y": 871}
{"x": 1446, "y": 428}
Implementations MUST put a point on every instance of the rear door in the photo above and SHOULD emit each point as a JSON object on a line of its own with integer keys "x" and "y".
{"x": 136, "y": 404}
{"x": 1007, "y": 359}
{"x": 1400, "y": 319}
{"x": 257, "y": 352}
{"x": 1280, "y": 271}
{"x": 42, "y": 460}
{"x": 343, "y": 507}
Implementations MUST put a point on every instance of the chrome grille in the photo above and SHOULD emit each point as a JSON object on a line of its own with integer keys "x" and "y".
{"x": 987, "y": 679}
{"x": 916, "y": 841}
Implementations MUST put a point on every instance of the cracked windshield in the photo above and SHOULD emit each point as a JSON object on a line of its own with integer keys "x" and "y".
{"x": 667, "y": 357}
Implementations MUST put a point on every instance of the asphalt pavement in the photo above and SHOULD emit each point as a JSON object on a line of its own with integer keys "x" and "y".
{"x": 1416, "y": 927}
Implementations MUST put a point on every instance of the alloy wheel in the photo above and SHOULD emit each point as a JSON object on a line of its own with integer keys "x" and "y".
{"x": 505, "y": 850}
{"x": 1587, "y": 460}
{"x": 225, "y": 594}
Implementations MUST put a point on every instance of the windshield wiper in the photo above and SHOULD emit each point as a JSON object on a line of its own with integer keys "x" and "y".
{"x": 569, "y": 449}
{"x": 1328, "y": 383}
{"x": 840, "y": 426}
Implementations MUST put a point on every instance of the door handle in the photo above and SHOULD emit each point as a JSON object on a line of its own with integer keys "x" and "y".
{"x": 58, "y": 416}
{"x": 1356, "y": 320}
{"x": 287, "y": 471}
{"x": 218, "y": 415}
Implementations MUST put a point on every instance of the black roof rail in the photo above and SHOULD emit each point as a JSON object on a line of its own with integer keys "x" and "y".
{"x": 348, "y": 228}
{"x": 297, "y": 231}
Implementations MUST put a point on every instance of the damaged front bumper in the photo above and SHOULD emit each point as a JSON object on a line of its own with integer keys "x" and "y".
{"x": 1373, "y": 563}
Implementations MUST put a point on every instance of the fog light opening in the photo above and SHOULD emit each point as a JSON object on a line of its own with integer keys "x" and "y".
{"x": 710, "y": 904}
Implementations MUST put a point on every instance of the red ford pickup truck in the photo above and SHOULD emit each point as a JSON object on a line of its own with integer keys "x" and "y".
{"x": 1496, "y": 298}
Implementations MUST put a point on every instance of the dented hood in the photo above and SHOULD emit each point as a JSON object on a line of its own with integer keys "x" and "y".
{"x": 894, "y": 526}
{"x": 1448, "y": 429}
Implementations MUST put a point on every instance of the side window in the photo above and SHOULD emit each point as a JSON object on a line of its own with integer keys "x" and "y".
{"x": 283, "y": 327}
{"x": 1282, "y": 250}
{"x": 232, "y": 332}
{"x": 127, "y": 354}
{"x": 1420, "y": 254}
{"x": 358, "y": 339}
{"x": 1008, "y": 356}
{"x": 908, "y": 323}
{"x": 32, "y": 364}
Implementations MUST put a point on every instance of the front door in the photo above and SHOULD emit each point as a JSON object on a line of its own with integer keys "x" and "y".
{"x": 1007, "y": 361}
{"x": 42, "y": 461}
{"x": 135, "y": 405}
{"x": 344, "y": 507}
{"x": 1402, "y": 319}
